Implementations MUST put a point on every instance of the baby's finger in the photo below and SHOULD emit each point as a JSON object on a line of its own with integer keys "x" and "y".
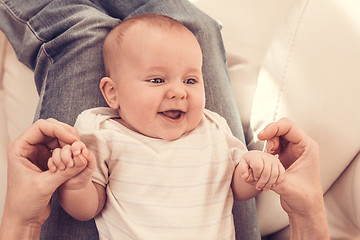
{"x": 80, "y": 161}
{"x": 77, "y": 148}
{"x": 56, "y": 159}
{"x": 66, "y": 156}
{"x": 281, "y": 174}
{"x": 91, "y": 160}
{"x": 257, "y": 168}
{"x": 274, "y": 174}
{"x": 243, "y": 169}
{"x": 52, "y": 167}
{"x": 263, "y": 176}
{"x": 277, "y": 172}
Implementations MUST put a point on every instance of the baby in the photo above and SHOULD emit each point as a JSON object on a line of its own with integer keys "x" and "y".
{"x": 160, "y": 166}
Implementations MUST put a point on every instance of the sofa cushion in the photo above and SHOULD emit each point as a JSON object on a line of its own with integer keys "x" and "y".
{"x": 311, "y": 75}
{"x": 20, "y": 96}
{"x": 247, "y": 31}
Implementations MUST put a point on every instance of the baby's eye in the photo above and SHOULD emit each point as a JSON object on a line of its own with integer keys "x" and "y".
{"x": 190, "y": 81}
{"x": 156, "y": 80}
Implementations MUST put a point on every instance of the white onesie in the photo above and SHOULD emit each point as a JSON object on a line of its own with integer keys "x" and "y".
{"x": 159, "y": 189}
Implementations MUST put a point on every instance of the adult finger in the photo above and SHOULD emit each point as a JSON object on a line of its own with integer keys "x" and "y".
{"x": 286, "y": 139}
{"x": 284, "y": 128}
{"x": 44, "y": 130}
{"x": 305, "y": 170}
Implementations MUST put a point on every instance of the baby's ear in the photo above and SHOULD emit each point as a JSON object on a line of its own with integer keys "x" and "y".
{"x": 108, "y": 89}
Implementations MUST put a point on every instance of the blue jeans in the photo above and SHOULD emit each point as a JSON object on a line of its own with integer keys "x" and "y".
{"x": 61, "y": 41}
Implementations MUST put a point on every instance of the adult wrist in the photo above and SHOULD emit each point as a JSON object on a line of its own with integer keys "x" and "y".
{"x": 311, "y": 226}
{"x": 11, "y": 229}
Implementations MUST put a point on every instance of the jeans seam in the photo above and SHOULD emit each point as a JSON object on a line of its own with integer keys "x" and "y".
{"x": 12, "y": 14}
{"x": 42, "y": 48}
{"x": 34, "y": 32}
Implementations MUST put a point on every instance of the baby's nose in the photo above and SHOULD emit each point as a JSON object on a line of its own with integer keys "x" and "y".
{"x": 177, "y": 93}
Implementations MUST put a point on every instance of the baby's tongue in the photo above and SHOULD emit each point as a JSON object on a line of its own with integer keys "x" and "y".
{"x": 173, "y": 114}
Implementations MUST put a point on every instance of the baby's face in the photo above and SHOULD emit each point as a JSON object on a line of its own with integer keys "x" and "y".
{"x": 159, "y": 82}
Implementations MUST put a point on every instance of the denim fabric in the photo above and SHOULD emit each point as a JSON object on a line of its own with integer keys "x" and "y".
{"x": 61, "y": 41}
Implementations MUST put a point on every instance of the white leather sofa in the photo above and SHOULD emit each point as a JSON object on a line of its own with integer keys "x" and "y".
{"x": 287, "y": 58}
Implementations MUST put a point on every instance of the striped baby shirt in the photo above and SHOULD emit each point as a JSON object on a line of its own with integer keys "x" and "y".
{"x": 159, "y": 189}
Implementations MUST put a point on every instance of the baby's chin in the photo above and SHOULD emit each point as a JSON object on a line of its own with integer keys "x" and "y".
{"x": 170, "y": 135}
{"x": 174, "y": 134}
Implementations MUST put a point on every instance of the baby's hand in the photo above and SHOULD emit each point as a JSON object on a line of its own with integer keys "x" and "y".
{"x": 61, "y": 159}
{"x": 261, "y": 169}
{"x": 64, "y": 157}
{"x": 70, "y": 156}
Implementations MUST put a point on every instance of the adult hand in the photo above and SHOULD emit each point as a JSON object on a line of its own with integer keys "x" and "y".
{"x": 29, "y": 184}
{"x": 300, "y": 188}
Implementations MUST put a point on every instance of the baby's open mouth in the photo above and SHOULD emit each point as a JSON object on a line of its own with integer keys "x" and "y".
{"x": 173, "y": 114}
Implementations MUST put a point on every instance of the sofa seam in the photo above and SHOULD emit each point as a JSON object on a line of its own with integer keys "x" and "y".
{"x": 289, "y": 57}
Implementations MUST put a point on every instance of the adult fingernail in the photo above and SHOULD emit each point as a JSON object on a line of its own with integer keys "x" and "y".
{"x": 74, "y": 137}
